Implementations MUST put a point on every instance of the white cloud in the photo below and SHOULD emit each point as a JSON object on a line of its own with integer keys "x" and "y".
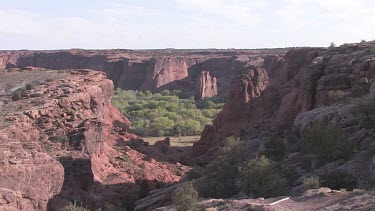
{"x": 236, "y": 11}
{"x": 19, "y": 22}
{"x": 193, "y": 24}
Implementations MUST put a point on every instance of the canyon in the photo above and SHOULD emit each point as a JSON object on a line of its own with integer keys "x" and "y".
{"x": 152, "y": 70}
{"x": 63, "y": 141}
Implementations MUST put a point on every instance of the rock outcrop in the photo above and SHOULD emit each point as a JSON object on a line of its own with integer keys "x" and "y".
{"x": 150, "y": 70}
{"x": 206, "y": 86}
{"x": 63, "y": 141}
{"x": 319, "y": 199}
{"x": 311, "y": 79}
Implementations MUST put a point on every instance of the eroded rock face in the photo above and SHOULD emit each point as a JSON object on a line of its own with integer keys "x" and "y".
{"x": 29, "y": 176}
{"x": 64, "y": 141}
{"x": 206, "y": 86}
{"x": 150, "y": 70}
{"x": 244, "y": 88}
{"x": 310, "y": 78}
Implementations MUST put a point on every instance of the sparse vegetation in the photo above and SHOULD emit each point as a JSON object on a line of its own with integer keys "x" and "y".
{"x": 224, "y": 171}
{"x": 311, "y": 183}
{"x": 335, "y": 95}
{"x": 17, "y": 95}
{"x": 332, "y": 45}
{"x": 328, "y": 141}
{"x": 60, "y": 139}
{"x": 166, "y": 113}
{"x": 143, "y": 166}
{"x": 30, "y": 86}
{"x": 258, "y": 178}
{"x": 186, "y": 198}
{"x": 358, "y": 191}
{"x": 275, "y": 148}
{"x": 339, "y": 180}
{"x": 193, "y": 174}
{"x": 75, "y": 207}
{"x": 371, "y": 49}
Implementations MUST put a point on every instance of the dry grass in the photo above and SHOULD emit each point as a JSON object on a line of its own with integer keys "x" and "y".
{"x": 182, "y": 141}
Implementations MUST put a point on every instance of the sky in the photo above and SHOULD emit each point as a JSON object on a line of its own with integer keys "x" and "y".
{"x": 197, "y": 24}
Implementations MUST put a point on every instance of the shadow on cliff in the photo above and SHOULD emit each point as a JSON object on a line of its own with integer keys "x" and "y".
{"x": 80, "y": 187}
{"x": 161, "y": 153}
{"x": 223, "y": 68}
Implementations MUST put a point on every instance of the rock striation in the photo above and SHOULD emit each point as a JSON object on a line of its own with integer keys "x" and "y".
{"x": 314, "y": 85}
{"x": 206, "y": 86}
{"x": 149, "y": 70}
{"x": 63, "y": 141}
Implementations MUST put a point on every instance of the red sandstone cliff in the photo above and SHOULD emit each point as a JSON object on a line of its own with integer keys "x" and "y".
{"x": 64, "y": 141}
{"x": 310, "y": 78}
{"x": 148, "y": 70}
{"x": 206, "y": 86}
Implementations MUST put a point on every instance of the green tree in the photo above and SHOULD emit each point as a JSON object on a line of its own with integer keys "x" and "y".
{"x": 224, "y": 171}
{"x": 258, "y": 179}
{"x": 192, "y": 127}
{"x": 186, "y": 198}
{"x": 328, "y": 141}
{"x": 161, "y": 125}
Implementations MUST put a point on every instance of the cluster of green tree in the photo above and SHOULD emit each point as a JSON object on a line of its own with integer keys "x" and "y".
{"x": 232, "y": 172}
{"x": 167, "y": 112}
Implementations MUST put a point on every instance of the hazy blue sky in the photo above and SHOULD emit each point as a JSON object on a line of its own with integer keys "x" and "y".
{"x": 103, "y": 24}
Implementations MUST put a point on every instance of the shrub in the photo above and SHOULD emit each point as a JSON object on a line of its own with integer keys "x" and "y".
{"x": 186, "y": 198}
{"x": 336, "y": 95}
{"x": 49, "y": 79}
{"x": 60, "y": 139}
{"x": 332, "y": 45}
{"x": 74, "y": 207}
{"x": 193, "y": 174}
{"x": 339, "y": 180}
{"x": 371, "y": 49}
{"x": 258, "y": 178}
{"x": 30, "y": 86}
{"x": 275, "y": 148}
{"x": 328, "y": 141}
{"x": 143, "y": 166}
{"x": 223, "y": 171}
{"x": 17, "y": 95}
{"x": 311, "y": 183}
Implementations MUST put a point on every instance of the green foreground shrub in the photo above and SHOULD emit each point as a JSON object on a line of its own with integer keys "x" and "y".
{"x": 339, "y": 180}
{"x": 30, "y": 86}
{"x": 224, "y": 170}
{"x": 311, "y": 183}
{"x": 258, "y": 178}
{"x": 275, "y": 148}
{"x": 17, "y": 95}
{"x": 327, "y": 141}
{"x": 186, "y": 198}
